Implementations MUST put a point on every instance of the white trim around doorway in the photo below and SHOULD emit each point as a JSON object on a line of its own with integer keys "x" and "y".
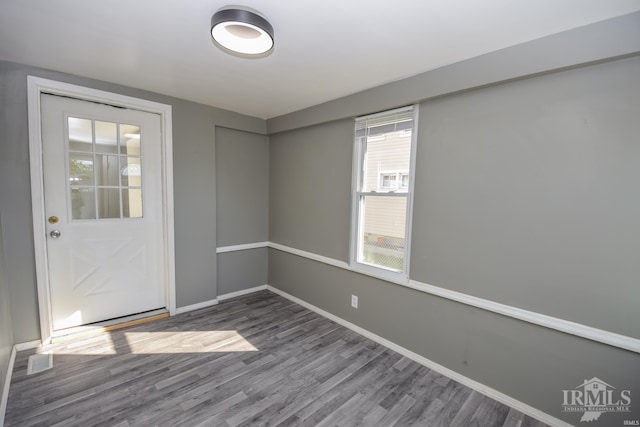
{"x": 37, "y": 86}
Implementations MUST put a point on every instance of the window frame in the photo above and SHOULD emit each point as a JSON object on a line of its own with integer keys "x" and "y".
{"x": 358, "y": 196}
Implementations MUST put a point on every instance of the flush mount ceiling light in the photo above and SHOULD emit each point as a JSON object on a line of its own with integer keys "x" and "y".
{"x": 242, "y": 33}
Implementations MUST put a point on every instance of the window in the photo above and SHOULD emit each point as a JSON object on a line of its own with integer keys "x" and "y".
{"x": 388, "y": 181}
{"x": 105, "y": 172}
{"x": 382, "y": 196}
{"x": 404, "y": 181}
{"x": 394, "y": 181}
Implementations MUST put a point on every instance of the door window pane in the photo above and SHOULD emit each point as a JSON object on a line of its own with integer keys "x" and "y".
{"x": 80, "y": 169}
{"x": 107, "y": 170}
{"x": 108, "y": 203}
{"x": 131, "y": 172}
{"x": 80, "y": 134}
{"x": 130, "y": 139}
{"x": 132, "y": 203}
{"x": 106, "y": 137}
{"x": 83, "y": 203}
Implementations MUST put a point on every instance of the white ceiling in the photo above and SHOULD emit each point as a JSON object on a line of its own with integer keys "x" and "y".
{"x": 325, "y": 49}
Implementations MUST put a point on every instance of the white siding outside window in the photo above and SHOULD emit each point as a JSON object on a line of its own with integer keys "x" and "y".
{"x": 384, "y": 160}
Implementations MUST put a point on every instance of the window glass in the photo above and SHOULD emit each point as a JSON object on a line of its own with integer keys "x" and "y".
{"x": 105, "y": 169}
{"x": 131, "y": 171}
{"x": 130, "y": 139}
{"x": 383, "y": 231}
{"x": 132, "y": 203}
{"x": 80, "y": 169}
{"x": 106, "y": 137}
{"x": 83, "y": 203}
{"x": 80, "y": 134}
{"x": 108, "y": 203}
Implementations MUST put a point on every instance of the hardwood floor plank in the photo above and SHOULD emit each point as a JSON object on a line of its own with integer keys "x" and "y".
{"x": 395, "y": 413}
{"x": 400, "y": 384}
{"x": 489, "y": 412}
{"x": 338, "y": 415}
{"x": 467, "y": 409}
{"x": 258, "y": 359}
{"x": 426, "y": 392}
{"x": 514, "y": 418}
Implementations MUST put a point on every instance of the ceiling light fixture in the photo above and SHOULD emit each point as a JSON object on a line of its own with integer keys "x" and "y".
{"x": 242, "y": 33}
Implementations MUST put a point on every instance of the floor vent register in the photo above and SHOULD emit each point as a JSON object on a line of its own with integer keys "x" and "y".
{"x": 39, "y": 363}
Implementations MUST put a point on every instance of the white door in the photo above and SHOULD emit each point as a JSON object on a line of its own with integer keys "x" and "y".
{"x": 103, "y": 207}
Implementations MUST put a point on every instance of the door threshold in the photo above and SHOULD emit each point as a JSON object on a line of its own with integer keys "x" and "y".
{"x": 109, "y": 325}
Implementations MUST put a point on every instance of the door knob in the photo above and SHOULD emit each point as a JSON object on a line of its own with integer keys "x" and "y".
{"x": 55, "y": 234}
{"x": 53, "y": 219}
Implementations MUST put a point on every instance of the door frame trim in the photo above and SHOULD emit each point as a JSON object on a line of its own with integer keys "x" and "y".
{"x": 37, "y": 86}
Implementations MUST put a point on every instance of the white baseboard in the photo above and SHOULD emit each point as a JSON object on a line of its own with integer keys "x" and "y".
{"x": 472, "y": 384}
{"x": 5, "y": 387}
{"x": 28, "y": 345}
{"x": 197, "y": 306}
{"x": 212, "y": 302}
{"x": 242, "y": 292}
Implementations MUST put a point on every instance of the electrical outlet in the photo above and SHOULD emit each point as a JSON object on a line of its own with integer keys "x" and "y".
{"x": 354, "y": 301}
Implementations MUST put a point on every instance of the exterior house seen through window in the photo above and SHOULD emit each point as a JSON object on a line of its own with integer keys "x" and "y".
{"x": 382, "y": 196}
{"x": 394, "y": 181}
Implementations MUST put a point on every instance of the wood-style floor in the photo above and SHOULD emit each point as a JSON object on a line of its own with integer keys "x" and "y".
{"x": 254, "y": 360}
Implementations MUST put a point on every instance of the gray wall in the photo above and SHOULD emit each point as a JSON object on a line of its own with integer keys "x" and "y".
{"x": 310, "y": 188}
{"x": 194, "y": 196}
{"x": 242, "y": 192}
{"x": 15, "y": 204}
{"x": 242, "y": 188}
{"x": 6, "y": 333}
{"x": 241, "y": 270}
{"x": 525, "y": 194}
{"x": 6, "y": 326}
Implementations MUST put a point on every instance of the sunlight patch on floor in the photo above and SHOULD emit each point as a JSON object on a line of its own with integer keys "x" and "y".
{"x": 170, "y": 342}
{"x": 187, "y": 342}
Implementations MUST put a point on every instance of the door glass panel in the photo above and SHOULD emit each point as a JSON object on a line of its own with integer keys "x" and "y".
{"x": 80, "y": 134}
{"x": 132, "y": 203}
{"x": 83, "y": 203}
{"x": 131, "y": 172}
{"x": 108, "y": 203}
{"x": 130, "y": 139}
{"x": 80, "y": 169}
{"x": 107, "y": 170}
{"x": 106, "y": 137}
